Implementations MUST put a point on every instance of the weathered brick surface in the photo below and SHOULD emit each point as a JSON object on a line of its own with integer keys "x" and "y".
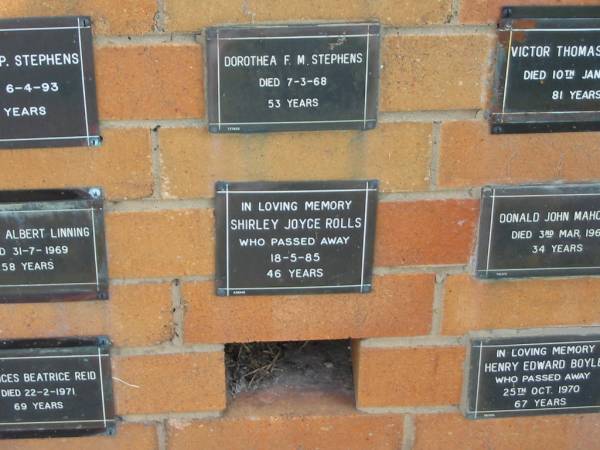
{"x": 470, "y": 304}
{"x": 398, "y": 155}
{"x": 425, "y": 232}
{"x": 454, "y": 432}
{"x": 192, "y": 15}
{"x": 399, "y": 305}
{"x": 404, "y": 376}
{"x": 135, "y": 315}
{"x": 290, "y": 420}
{"x": 423, "y": 72}
{"x": 128, "y": 437}
{"x": 488, "y": 11}
{"x": 160, "y": 243}
{"x": 180, "y": 383}
{"x": 125, "y": 17}
{"x": 121, "y": 166}
{"x": 471, "y": 156}
{"x": 150, "y": 81}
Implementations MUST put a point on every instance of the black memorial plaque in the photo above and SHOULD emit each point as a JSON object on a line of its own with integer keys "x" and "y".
{"x": 293, "y": 77}
{"x": 547, "y": 230}
{"x": 548, "y": 70}
{"x": 52, "y": 245}
{"x": 60, "y": 387}
{"x": 47, "y": 85}
{"x": 295, "y": 237}
{"x": 533, "y": 375}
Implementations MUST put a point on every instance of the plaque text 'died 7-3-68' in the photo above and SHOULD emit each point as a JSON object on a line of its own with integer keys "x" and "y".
{"x": 293, "y": 77}
{"x": 47, "y": 85}
{"x": 295, "y": 237}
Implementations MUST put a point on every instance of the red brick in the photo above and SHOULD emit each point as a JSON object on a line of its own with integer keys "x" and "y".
{"x": 150, "y": 81}
{"x": 398, "y": 155}
{"x": 434, "y": 72}
{"x": 400, "y": 305}
{"x": 192, "y": 15}
{"x": 488, "y": 11}
{"x": 290, "y": 420}
{"x": 425, "y": 232}
{"x": 153, "y": 384}
{"x": 122, "y": 174}
{"x": 471, "y": 156}
{"x": 135, "y": 315}
{"x": 160, "y": 243}
{"x": 470, "y": 304}
{"x": 454, "y": 432}
{"x": 404, "y": 376}
{"x": 108, "y": 16}
{"x": 128, "y": 437}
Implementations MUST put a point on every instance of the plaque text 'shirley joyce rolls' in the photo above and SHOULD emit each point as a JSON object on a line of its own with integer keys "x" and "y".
{"x": 52, "y": 245}
{"x": 295, "y": 237}
{"x": 47, "y": 85}
{"x": 293, "y": 77}
{"x": 542, "y": 230}
{"x": 55, "y": 387}
{"x": 547, "y": 70}
{"x": 533, "y": 375}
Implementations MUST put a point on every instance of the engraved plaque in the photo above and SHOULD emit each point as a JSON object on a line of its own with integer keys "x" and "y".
{"x": 551, "y": 230}
{"x": 295, "y": 237}
{"x": 52, "y": 245}
{"x": 58, "y": 387}
{"x": 293, "y": 77}
{"x": 552, "y": 374}
{"x": 548, "y": 77}
{"x": 47, "y": 86}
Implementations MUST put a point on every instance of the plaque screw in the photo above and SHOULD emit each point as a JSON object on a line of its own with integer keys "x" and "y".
{"x": 497, "y": 129}
{"x": 102, "y": 296}
{"x": 85, "y": 22}
{"x": 95, "y": 193}
{"x": 506, "y": 12}
{"x": 95, "y": 141}
{"x": 103, "y": 341}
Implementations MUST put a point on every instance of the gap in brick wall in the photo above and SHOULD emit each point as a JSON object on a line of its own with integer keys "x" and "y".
{"x": 294, "y": 367}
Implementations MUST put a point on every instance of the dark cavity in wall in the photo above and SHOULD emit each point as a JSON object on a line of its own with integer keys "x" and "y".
{"x": 304, "y": 365}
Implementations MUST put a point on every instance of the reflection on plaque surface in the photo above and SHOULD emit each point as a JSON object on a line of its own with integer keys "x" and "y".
{"x": 55, "y": 387}
{"x": 293, "y": 77}
{"x": 551, "y": 374}
{"x": 543, "y": 230}
{"x": 47, "y": 85}
{"x": 52, "y": 245}
{"x": 295, "y": 237}
{"x": 548, "y": 78}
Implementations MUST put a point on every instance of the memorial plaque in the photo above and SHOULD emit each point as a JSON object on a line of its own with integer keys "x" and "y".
{"x": 548, "y": 77}
{"x": 47, "y": 87}
{"x": 60, "y": 387}
{"x": 551, "y": 230}
{"x": 293, "y": 77}
{"x": 52, "y": 245}
{"x": 533, "y": 375}
{"x": 295, "y": 237}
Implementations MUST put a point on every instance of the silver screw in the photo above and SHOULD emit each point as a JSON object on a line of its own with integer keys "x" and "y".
{"x": 95, "y": 193}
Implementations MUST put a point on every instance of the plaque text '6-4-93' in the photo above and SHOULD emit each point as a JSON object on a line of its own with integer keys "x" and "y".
{"x": 547, "y": 78}
{"x": 293, "y": 77}
{"x": 295, "y": 237}
{"x": 52, "y": 245}
{"x": 47, "y": 87}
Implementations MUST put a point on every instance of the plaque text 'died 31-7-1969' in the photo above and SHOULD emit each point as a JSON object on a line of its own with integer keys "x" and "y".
{"x": 52, "y": 245}
{"x": 47, "y": 84}
{"x": 548, "y": 77}
{"x": 293, "y": 77}
{"x": 295, "y": 237}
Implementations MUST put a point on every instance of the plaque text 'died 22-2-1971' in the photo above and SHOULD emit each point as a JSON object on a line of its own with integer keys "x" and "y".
{"x": 47, "y": 85}
{"x": 293, "y": 77}
{"x": 295, "y": 237}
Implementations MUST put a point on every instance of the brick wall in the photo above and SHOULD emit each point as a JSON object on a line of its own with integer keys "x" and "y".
{"x": 431, "y": 152}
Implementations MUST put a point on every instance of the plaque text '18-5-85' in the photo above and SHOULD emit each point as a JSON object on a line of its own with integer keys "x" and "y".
{"x": 47, "y": 85}
{"x": 296, "y": 237}
{"x": 548, "y": 78}
{"x": 293, "y": 77}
